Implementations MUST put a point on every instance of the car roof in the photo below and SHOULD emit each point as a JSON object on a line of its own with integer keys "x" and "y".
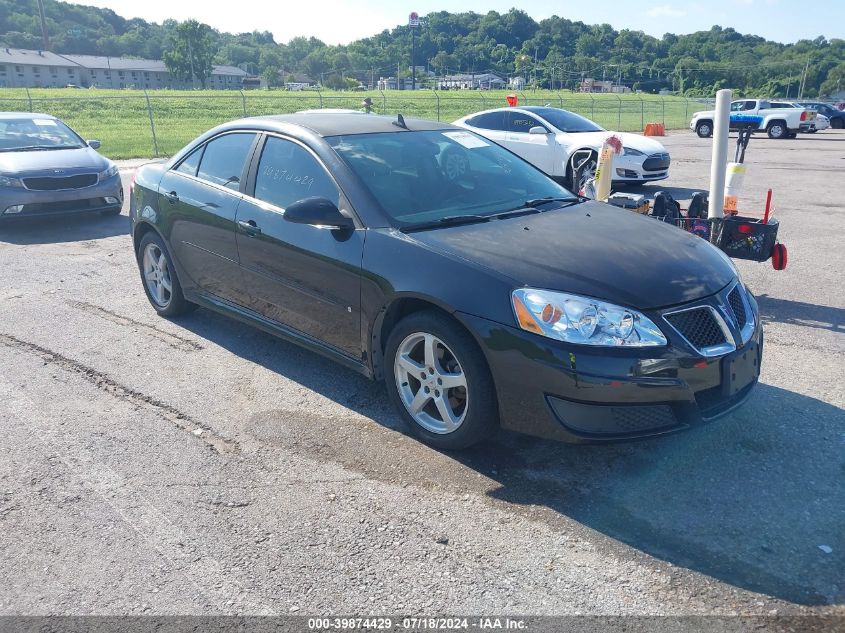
{"x": 25, "y": 115}
{"x": 338, "y": 123}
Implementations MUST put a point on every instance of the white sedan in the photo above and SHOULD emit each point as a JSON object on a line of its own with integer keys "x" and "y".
{"x": 559, "y": 142}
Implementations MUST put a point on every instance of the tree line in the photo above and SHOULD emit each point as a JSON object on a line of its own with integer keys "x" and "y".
{"x": 553, "y": 53}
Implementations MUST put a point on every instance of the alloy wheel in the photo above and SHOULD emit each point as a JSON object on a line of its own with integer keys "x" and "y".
{"x": 157, "y": 275}
{"x": 431, "y": 383}
{"x": 586, "y": 171}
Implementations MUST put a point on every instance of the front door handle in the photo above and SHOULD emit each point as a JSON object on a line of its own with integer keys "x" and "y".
{"x": 172, "y": 197}
{"x": 249, "y": 227}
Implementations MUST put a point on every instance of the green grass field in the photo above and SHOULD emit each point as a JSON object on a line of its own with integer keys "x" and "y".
{"x": 121, "y": 119}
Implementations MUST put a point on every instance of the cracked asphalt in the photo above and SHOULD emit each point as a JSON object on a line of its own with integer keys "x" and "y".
{"x": 199, "y": 466}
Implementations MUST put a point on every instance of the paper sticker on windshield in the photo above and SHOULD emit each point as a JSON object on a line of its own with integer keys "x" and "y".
{"x": 466, "y": 139}
{"x": 47, "y": 122}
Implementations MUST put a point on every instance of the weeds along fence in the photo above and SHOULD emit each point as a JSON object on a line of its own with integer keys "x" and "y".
{"x": 134, "y": 123}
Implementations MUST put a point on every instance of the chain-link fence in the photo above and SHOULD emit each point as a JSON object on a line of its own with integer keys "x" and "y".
{"x": 142, "y": 124}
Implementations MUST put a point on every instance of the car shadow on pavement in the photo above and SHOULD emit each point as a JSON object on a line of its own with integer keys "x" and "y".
{"x": 58, "y": 229}
{"x": 754, "y": 499}
{"x": 800, "y": 313}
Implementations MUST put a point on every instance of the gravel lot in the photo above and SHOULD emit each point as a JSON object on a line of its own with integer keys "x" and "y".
{"x": 199, "y": 466}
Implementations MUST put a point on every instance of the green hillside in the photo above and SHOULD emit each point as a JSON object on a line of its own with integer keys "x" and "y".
{"x": 552, "y": 53}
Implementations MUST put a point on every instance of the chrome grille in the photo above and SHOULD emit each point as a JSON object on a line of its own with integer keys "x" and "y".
{"x": 698, "y": 326}
{"x": 737, "y": 306}
{"x": 49, "y": 183}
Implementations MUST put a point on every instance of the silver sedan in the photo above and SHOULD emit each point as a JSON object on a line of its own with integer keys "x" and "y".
{"x": 48, "y": 169}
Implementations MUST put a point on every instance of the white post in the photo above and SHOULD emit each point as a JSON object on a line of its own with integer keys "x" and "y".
{"x": 719, "y": 159}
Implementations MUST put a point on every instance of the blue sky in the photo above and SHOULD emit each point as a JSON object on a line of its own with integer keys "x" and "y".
{"x": 337, "y": 22}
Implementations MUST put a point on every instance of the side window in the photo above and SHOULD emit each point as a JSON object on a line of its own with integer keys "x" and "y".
{"x": 520, "y": 122}
{"x": 736, "y": 106}
{"x": 489, "y": 121}
{"x": 190, "y": 164}
{"x": 288, "y": 173}
{"x": 749, "y": 105}
{"x": 224, "y": 159}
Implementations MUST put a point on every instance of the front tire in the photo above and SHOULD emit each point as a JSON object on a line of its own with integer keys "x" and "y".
{"x": 438, "y": 379}
{"x": 704, "y": 129}
{"x": 158, "y": 276}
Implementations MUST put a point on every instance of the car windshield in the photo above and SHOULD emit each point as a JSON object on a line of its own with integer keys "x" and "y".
{"x": 427, "y": 177}
{"x": 566, "y": 121}
{"x": 29, "y": 133}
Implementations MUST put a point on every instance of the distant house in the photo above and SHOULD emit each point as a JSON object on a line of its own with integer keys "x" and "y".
{"x": 391, "y": 83}
{"x": 596, "y": 85}
{"x": 474, "y": 81}
{"x": 36, "y": 69}
{"x": 42, "y": 69}
{"x": 516, "y": 83}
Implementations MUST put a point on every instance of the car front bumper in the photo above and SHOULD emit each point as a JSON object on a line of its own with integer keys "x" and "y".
{"x": 641, "y": 168}
{"x": 577, "y": 393}
{"x": 106, "y": 195}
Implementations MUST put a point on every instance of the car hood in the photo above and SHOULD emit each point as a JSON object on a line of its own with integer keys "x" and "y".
{"x": 596, "y": 139}
{"x": 71, "y": 160}
{"x": 592, "y": 249}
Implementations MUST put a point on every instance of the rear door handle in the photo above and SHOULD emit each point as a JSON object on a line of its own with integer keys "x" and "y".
{"x": 172, "y": 197}
{"x": 249, "y": 227}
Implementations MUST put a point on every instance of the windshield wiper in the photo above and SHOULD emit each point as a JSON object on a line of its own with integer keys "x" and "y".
{"x": 37, "y": 148}
{"x": 536, "y": 202}
{"x": 449, "y": 220}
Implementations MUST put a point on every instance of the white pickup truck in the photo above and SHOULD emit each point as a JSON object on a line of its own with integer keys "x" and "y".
{"x": 777, "y": 121}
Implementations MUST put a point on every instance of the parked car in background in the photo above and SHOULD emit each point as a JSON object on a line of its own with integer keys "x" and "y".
{"x": 822, "y": 123}
{"x": 48, "y": 169}
{"x": 777, "y": 120}
{"x": 835, "y": 115}
{"x": 558, "y": 142}
{"x": 481, "y": 291}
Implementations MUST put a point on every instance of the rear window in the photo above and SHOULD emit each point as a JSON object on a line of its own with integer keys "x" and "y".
{"x": 224, "y": 159}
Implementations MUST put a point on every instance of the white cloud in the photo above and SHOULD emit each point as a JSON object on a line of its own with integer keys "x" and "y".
{"x": 666, "y": 11}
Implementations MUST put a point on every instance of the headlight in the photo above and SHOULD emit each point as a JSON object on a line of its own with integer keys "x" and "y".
{"x": 583, "y": 320}
{"x": 632, "y": 152}
{"x": 8, "y": 181}
{"x": 108, "y": 173}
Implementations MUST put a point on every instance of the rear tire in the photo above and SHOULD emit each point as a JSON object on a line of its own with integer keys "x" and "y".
{"x": 425, "y": 353}
{"x": 704, "y": 129}
{"x": 777, "y": 130}
{"x": 158, "y": 276}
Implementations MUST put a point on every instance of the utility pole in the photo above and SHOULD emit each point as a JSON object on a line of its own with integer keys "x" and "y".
{"x": 46, "y": 42}
{"x": 804, "y": 78}
{"x": 414, "y": 24}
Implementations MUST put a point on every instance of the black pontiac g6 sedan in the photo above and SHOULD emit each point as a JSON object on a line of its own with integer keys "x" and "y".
{"x": 482, "y": 292}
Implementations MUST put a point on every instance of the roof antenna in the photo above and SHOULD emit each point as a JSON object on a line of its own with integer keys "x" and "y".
{"x": 400, "y": 121}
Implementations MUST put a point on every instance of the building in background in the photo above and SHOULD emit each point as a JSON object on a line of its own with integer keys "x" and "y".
{"x": 476, "y": 81}
{"x": 597, "y": 85}
{"x": 41, "y": 69}
{"x": 36, "y": 69}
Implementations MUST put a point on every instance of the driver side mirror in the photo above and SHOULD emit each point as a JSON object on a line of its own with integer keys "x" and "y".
{"x": 538, "y": 129}
{"x": 318, "y": 212}
{"x": 94, "y": 144}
